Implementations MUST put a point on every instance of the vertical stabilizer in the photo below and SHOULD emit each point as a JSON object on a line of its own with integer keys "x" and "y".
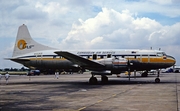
{"x": 25, "y": 44}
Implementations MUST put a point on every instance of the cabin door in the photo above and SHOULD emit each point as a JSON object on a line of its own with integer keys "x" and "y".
{"x": 38, "y": 59}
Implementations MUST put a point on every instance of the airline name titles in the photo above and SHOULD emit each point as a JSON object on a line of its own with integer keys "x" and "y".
{"x": 94, "y": 52}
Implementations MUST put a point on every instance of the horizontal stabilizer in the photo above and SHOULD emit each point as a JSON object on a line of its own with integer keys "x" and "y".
{"x": 19, "y": 60}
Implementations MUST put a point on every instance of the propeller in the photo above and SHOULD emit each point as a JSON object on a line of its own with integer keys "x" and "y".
{"x": 129, "y": 69}
{"x": 135, "y": 74}
{"x": 129, "y": 64}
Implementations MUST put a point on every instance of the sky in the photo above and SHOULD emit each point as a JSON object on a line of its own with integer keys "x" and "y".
{"x": 92, "y": 24}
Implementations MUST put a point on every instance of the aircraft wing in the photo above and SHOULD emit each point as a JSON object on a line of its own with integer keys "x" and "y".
{"x": 80, "y": 60}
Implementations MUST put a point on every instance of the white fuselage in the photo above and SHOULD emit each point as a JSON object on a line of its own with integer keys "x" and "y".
{"x": 141, "y": 59}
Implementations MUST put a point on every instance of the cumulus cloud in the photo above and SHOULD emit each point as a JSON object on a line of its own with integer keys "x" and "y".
{"x": 52, "y": 8}
{"x": 96, "y": 40}
{"x": 28, "y": 13}
{"x": 119, "y": 30}
{"x": 167, "y": 35}
{"x": 112, "y": 29}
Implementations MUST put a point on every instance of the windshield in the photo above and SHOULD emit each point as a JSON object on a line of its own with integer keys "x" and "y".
{"x": 161, "y": 54}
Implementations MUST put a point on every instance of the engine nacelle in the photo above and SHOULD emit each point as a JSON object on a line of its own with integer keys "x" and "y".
{"x": 106, "y": 72}
{"x": 113, "y": 61}
{"x": 113, "y": 66}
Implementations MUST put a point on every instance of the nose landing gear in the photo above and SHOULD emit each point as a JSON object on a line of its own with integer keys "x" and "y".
{"x": 157, "y": 80}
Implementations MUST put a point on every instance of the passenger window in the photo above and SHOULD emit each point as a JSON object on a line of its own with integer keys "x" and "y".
{"x": 101, "y": 57}
{"x": 94, "y": 56}
{"x": 54, "y": 57}
{"x": 88, "y": 57}
{"x": 109, "y": 56}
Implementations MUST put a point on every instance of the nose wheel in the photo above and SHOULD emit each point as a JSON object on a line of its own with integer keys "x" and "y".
{"x": 157, "y": 80}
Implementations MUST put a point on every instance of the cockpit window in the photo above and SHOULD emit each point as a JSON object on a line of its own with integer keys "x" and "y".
{"x": 164, "y": 54}
{"x": 160, "y": 54}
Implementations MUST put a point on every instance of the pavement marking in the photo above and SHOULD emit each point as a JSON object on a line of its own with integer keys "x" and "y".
{"x": 99, "y": 101}
{"x": 81, "y": 108}
{"x": 114, "y": 95}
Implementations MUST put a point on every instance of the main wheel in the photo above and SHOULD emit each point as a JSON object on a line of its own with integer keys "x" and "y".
{"x": 144, "y": 74}
{"x": 104, "y": 79}
{"x": 157, "y": 80}
{"x": 93, "y": 80}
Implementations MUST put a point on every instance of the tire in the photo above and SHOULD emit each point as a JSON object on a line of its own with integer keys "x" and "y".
{"x": 157, "y": 80}
{"x": 93, "y": 81}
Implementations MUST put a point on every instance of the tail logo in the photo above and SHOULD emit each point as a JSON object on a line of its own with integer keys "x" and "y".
{"x": 21, "y": 44}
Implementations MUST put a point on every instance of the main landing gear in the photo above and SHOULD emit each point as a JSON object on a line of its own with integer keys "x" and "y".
{"x": 93, "y": 80}
{"x": 144, "y": 74}
{"x": 104, "y": 79}
{"x": 157, "y": 80}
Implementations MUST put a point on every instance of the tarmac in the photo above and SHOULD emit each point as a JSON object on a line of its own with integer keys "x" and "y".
{"x": 72, "y": 92}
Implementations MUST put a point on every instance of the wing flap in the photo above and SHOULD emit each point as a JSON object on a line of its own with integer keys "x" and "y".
{"x": 80, "y": 60}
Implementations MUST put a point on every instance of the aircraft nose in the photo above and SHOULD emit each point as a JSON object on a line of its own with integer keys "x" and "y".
{"x": 173, "y": 60}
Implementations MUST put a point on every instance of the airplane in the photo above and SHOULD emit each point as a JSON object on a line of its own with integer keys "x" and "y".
{"x": 100, "y": 62}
